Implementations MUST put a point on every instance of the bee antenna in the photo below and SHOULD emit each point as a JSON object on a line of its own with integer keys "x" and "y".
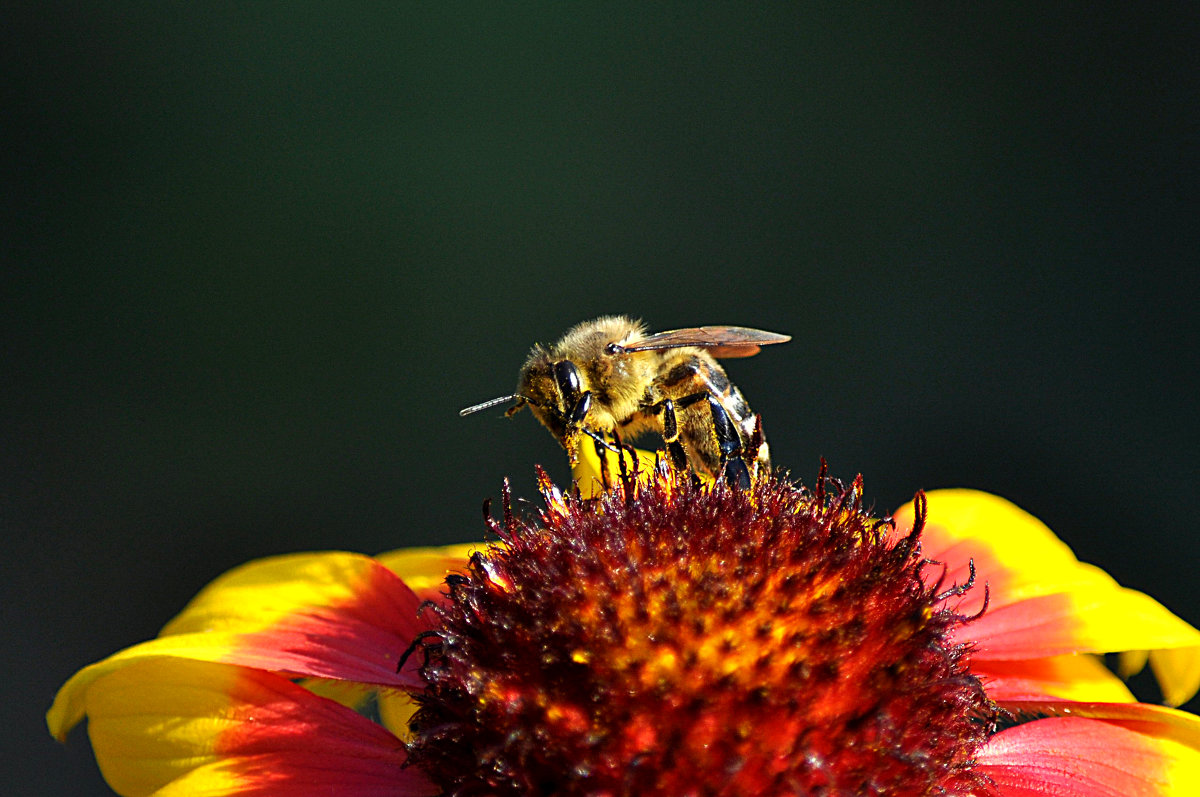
{"x": 486, "y": 404}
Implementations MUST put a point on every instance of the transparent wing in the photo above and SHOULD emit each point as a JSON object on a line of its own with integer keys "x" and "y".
{"x": 720, "y": 341}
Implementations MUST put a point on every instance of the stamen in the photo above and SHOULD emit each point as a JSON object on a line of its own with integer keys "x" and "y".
{"x": 957, "y": 589}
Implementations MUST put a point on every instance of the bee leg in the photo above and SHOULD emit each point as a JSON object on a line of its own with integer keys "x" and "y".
{"x": 602, "y": 453}
{"x": 671, "y": 435}
{"x": 737, "y": 474}
{"x": 628, "y": 469}
{"x": 580, "y": 410}
{"x": 730, "y": 442}
{"x": 599, "y": 438}
{"x": 756, "y": 442}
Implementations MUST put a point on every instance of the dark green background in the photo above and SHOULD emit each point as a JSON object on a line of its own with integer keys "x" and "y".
{"x": 257, "y": 257}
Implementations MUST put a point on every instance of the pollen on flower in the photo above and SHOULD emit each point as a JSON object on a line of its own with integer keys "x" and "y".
{"x": 669, "y": 638}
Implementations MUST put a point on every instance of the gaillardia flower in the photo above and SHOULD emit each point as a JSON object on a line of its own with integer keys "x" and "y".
{"x": 661, "y": 638}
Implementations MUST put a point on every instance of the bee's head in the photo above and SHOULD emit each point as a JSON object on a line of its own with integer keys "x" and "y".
{"x": 555, "y": 394}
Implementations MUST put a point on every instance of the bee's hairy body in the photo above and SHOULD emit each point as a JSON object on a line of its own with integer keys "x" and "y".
{"x": 628, "y": 390}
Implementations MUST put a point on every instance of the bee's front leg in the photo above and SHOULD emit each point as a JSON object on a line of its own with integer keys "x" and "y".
{"x": 602, "y": 454}
{"x": 580, "y": 410}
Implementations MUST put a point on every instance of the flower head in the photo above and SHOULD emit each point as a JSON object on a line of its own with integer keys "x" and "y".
{"x": 667, "y": 635}
{"x": 661, "y": 638}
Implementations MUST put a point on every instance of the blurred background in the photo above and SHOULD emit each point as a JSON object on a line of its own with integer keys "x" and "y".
{"x": 257, "y": 257}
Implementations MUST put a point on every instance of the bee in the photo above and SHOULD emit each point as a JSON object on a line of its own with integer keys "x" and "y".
{"x": 609, "y": 377}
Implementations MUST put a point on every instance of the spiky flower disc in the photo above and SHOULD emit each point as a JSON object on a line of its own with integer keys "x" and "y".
{"x": 672, "y": 639}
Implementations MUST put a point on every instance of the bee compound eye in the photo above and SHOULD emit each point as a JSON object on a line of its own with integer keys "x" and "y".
{"x": 566, "y": 376}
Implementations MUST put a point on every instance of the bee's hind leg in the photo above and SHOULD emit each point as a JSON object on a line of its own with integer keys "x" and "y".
{"x": 729, "y": 442}
{"x": 732, "y": 465}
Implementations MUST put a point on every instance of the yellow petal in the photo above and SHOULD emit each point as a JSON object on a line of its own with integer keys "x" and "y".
{"x": 352, "y": 695}
{"x": 138, "y": 751}
{"x": 425, "y": 569}
{"x": 70, "y": 704}
{"x": 395, "y": 710}
{"x": 1178, "y": 673}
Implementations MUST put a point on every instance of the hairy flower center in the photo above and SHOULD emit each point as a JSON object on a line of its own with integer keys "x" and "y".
{"x": 673, "y": 639}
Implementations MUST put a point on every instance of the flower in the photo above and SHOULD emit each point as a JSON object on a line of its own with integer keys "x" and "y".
{"x": 661, "y": 638}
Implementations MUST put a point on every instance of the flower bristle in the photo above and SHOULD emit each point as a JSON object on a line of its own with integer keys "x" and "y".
{"x": 672, "y": 638}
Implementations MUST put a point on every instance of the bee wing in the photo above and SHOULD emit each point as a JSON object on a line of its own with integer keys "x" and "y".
{"x": 719, "y": 341}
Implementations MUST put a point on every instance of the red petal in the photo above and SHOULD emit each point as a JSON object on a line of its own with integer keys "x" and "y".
{"x": 1122, "y": 750}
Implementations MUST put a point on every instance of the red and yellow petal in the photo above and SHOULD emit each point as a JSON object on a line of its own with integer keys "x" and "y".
{"x": 1080, "y": 677}
{"x": 331, "y": 615}
{"x": 424, "y": 570}
{"x": 1083, "y": 750}
{"x": 262, "y": 593}
{"x": 1043, "y": 602}
{"x": 175, "y": 726}
{"x": 325, "y": 615}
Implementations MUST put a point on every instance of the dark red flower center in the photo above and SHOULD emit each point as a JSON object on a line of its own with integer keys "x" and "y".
{"x": 673, "y": 639}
